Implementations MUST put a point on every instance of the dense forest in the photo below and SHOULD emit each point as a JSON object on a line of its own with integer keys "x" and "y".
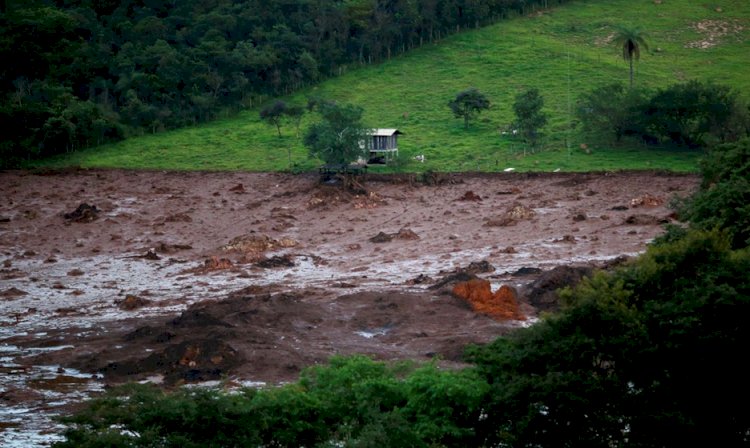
{"x": 77, "y": 73}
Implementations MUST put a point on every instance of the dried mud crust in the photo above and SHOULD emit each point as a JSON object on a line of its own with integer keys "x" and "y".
{"x": 315, "y": 271}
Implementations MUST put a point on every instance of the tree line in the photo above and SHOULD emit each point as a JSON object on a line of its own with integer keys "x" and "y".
{"x": 77, "y": 73}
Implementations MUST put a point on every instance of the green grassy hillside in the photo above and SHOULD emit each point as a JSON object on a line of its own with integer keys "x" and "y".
{"x": 563, "y": 52}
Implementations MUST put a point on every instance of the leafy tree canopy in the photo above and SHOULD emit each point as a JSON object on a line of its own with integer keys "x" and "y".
{"x": 273, "y": 114}
{"x": 529, "y": 115}
{"x": 340, "y": 137}
{"x": 468, "y": 104}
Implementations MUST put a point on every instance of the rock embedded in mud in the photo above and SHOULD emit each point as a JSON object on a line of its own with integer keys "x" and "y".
{"x": 381, "y": 237}
{"x": 520, "y": 211}
{"x": 644, "y": 220}
{"x": 253, "y": 246}
{"x": 647, "y": 200}
{"x": 12, "y": 293}
{"x": 132, "y": 302}
{"x": 478, "y": 267}
{"x": 527, "y": 271}
{"x": 470, "y": 196}
{"x": 406, "y": 234}
{"x": 277, "y": 261}
{"x": 84, "y": 213}
{"x": 542, "y": 292}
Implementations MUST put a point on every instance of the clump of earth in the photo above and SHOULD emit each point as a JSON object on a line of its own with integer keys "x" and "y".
{"x": 110, "y": 276}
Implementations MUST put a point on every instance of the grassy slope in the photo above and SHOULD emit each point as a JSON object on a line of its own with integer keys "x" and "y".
{"x": 563, "y": 52}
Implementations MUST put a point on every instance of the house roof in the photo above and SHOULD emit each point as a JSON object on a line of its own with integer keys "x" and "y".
{"x": 385, "y": 132}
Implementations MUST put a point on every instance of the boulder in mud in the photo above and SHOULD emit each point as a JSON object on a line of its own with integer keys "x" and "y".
{"x": 453, "y": 278}
{"x": 644, "y": 220}
{"x": 12, "y": 293}
{"x": 277, "y": 261}
{"x": 188, "y": 361}
{"x": 647, "y": 200}
{"x": 542, "y": 293}
{"x": 381, "y": 237}
{"x": 406, "y": 234}
{"x": 132, "y": 302}
{"x": 479, "y": 267}
{"x": 253, "y": 246}
{"x": 520, "y": 211}
{"x": 84, "y": 213}
{"x": 470, "y": 196}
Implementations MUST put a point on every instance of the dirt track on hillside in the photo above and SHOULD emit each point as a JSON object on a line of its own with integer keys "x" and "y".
{"x": 181, "y": 277}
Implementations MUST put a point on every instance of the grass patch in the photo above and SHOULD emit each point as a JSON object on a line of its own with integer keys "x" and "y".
{"x": 563, "y": 52}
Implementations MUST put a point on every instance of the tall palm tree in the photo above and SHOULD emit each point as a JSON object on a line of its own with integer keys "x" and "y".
{"x": 631, "y": 40}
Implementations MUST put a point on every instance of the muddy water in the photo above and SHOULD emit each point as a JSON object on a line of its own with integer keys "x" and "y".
{"x": 81, "y": 270}
{"x": 57, "y": 301}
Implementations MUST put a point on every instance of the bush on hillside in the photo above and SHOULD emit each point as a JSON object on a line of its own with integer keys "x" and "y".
{"x": 723, "y": 200}
{"x": 692, "y": 114}
{"x": 641, "y": 357}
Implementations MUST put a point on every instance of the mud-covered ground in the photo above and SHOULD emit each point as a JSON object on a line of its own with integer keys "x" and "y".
{"x": 111, "y": 276}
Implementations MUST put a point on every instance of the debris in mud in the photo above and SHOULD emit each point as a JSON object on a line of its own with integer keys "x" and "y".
{"x": 151, "y": 255}
{"x": 514, "y": 214}
{"x": 14, "y": 396}
{"x": 644, "y": 220}
{"x": 326, "y": 196}
{"x": 212, "y": 264}
{"x": 514, "y": 190}
{"x": 381, "y": 237}
{"x": 84, "y": 213}
{"x": 188, "y": 361}
{"x": 578, "y": 217}
{"x": 369, "y": 200}
{"x": 419, "y": 280}
{"x": 277, "y": 261}
{"x": 520, "y": 211}
{"x": 58, "y": 383}
{"x": 132, "y": 302}
{"x": 478, "y": 267}
{"x": 470, "y": 196}
{"x": 253, "y": 246}
{"x": 542, "y": 292}
{"x": 619, "y": 208}
{"x": 646, "y": 200}
{"x": 527, "y": 271}
{"x": 239, "y": 188}
{"x": 75, "y": 272}
{"x": 403, "y": 234}
{"x": 171, "y": 248}
{"x": 12, "y": 293}
{"x": 452, "y": 279}
{"x": 570, "y": 239}
{"x": 282, "y": 213}
{"x": 500, "y": 305}
{"x": 178, "y": 217}
{"x": 4, "y": 219}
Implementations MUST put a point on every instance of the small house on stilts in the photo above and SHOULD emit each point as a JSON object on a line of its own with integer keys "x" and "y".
{"x": 383, "y": 146}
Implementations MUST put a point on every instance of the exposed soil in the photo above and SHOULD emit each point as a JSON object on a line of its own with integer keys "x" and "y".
{"x": 184, "y": 277}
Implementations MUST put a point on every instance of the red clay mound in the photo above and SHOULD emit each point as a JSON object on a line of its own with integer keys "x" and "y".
{"x": 502, "y": 305}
